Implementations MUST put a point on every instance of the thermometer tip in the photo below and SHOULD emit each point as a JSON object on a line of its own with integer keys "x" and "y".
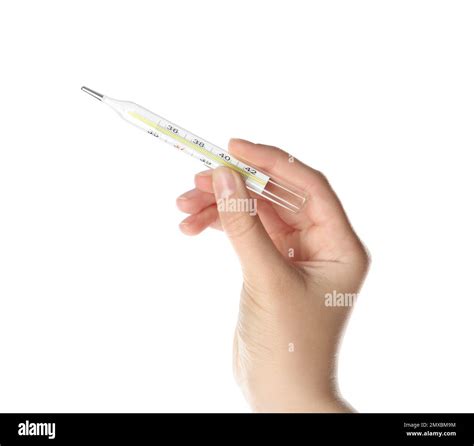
{"x": 93, "y": 93}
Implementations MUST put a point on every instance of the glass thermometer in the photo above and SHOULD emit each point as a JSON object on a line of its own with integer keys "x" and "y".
{"x": 209, "y": 154}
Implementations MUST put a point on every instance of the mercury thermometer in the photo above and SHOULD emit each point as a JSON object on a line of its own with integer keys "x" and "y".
{"x": 207, "y": 153}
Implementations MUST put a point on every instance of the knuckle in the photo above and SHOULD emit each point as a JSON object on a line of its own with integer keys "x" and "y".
{"x": 367, "y": 257}
{"x": 363, "y": 258}
{"x": 321, "y": 177}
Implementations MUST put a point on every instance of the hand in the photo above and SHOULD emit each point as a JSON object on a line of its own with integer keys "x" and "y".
{"x": 286, "y": 339}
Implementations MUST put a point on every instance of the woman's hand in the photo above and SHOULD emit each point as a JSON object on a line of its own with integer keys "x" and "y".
{"x": 297, "y": 270}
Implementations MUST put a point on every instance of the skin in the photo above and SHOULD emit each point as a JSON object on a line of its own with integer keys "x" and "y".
{"x": 286, "y": 338}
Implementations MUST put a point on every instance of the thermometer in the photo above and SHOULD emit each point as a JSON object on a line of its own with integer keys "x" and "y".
{"x": 207, "y": 153}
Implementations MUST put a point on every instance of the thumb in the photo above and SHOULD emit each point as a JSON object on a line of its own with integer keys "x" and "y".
{"x": 258, "y": 255}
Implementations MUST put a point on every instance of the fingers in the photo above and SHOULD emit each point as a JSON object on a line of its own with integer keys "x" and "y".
{"x": 202, "y": 207}
{"x": 322, "y": 206}
{"x": 274, "y": 161}
{"x": 194, "y": 201}
{"x": 272, "y": 222}
{"x": 322, "y": 209}
{"x": 196, "y": 223}
{"x": 257, "y": 254}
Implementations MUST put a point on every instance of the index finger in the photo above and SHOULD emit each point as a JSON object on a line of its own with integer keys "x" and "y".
{"x": 322, "y": 202}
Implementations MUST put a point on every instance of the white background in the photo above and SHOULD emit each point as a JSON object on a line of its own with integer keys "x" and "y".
{"x": 106, "y": 306}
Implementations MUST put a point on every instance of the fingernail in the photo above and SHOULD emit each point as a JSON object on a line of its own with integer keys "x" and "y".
{"x": 186, "y": 222}
{"x": 184, "y": 227}
{"x": 224, "y": 182}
